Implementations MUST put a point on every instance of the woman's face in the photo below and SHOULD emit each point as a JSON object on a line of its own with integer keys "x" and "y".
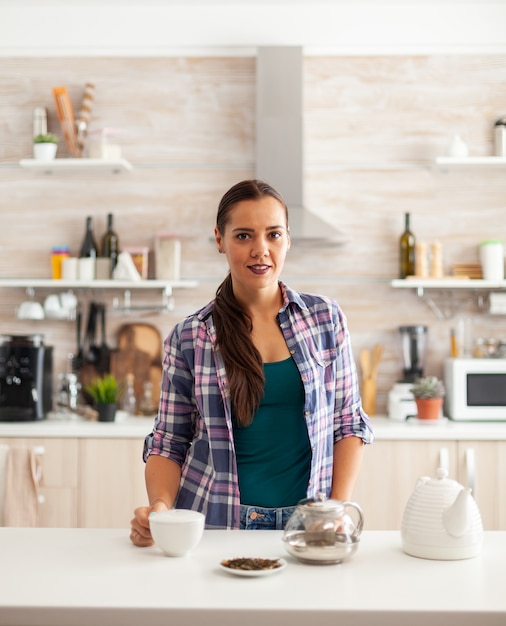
{"x": 255, "y": 241}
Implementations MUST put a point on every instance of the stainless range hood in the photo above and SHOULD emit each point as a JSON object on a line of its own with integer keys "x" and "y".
{"x": 279, "y": 139}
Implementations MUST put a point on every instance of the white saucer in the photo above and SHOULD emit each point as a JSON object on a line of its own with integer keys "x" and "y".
{"x": 254, "y": 573}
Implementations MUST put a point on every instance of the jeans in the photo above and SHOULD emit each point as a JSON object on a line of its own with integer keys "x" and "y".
{"x": 262, "y": 518}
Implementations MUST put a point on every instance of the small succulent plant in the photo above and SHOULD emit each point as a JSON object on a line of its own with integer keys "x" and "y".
{"x": 104, "y": 390}
{"x": 47, "y": 138}
{"x": 428, "y": 387}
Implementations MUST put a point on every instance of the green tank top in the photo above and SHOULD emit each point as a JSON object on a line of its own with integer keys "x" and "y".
{"x": 273, "y": 452}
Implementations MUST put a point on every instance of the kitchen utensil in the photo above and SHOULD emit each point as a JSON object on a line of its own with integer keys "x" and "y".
{"x": 78, "y": 358}
{"x": 369, "y": 365}
{"x": 139, "y": 352}
{"x": 377, "y": 354}
{"x": 26, "y": 378}
{"x": 65, "y": 112}
{"x": 401, "y": 402}
{"x": 92, "y": 351}
{"x": 323, "y": 531}
{"x": 441, "y": 520}
{"x": 176, "y": 531}
{"x": 104, "y": 356}
{"x": 413, "y": 346}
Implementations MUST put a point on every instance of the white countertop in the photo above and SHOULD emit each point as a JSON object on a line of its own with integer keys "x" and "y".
{"x": 139, "y": 427}
{"x": 124, "y": 427}
{"x": 91, "y": 576}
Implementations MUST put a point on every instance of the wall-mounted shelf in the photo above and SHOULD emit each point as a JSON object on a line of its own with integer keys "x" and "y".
{"x": 487, "y": 161}
{"x": 447, "y": 307}
{"x": 49, "y": 283}
{"x": 125, "y": 307}
{"x": 446, "y": 283}
{"x": 86, "y": 165}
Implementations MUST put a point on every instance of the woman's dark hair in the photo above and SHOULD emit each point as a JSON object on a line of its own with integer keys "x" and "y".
{"x": 243, "y": 362}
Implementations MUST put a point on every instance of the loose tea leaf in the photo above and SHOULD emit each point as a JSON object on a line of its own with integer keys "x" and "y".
{"x": 244, "y": 563}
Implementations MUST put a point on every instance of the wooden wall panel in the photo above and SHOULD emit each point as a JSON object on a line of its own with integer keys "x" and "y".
{"x": 373, "y": 125}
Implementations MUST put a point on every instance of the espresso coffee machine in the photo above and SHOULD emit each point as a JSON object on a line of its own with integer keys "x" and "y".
{"x": 401, "y": 402}
{"x": 26, "y": 378}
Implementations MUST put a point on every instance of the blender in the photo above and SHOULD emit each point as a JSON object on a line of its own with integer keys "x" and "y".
{"x": 401, "y": 402}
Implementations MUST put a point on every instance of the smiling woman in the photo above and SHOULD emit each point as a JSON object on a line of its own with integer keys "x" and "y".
{"x": 259, "y": 405}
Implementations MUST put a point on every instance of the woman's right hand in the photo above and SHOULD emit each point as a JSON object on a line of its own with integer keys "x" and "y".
{"x": 140, "y": 534}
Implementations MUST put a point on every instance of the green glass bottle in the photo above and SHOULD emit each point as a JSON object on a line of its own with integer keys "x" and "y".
{"x": 110, "y": 243}
{"x": 406, "y": 250}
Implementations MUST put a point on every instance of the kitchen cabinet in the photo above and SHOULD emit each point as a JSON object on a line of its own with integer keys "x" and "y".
{"x": 88, "y": 483}
{"x": 111, "y": 481}
{"x": 391, "y": 469}
{"x": 58, "y": 459}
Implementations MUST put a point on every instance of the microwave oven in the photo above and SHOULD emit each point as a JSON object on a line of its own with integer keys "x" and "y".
{"x": 475, "y": 389}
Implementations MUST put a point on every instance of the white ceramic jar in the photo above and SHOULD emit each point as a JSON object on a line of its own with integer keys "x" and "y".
{"x": 492, "y": 260}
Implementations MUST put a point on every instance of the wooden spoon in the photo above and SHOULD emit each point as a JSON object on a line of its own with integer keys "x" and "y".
{"x": 365, "y": 363}
{"x": 377, "y": 353}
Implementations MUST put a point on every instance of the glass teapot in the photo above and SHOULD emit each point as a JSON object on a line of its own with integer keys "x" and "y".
{"x": 323, "y": 531}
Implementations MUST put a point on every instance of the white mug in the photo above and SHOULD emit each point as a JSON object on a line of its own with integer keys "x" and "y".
{"x": 87, "y": 268}
{"x": 69, "y": 268}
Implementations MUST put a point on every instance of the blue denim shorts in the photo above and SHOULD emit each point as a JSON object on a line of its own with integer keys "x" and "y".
{"x": 262, "y": 518}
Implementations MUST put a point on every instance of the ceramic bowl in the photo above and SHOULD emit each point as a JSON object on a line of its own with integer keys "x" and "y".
{"x": 177, "y": 531}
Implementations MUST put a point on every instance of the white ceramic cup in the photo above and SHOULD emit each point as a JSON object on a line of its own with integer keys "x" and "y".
{"x": 30, "y": 310}
{"x": 69, "y": 268}
{"x": 68, "y": 301}
{"x": 176, "y": 531}
{"x": 86, "y": 269}
{"x": 492, "y": 260}
{"x": 52, "y": 304}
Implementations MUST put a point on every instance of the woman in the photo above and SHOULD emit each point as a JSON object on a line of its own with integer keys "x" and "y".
{"x": 259, "y": 405}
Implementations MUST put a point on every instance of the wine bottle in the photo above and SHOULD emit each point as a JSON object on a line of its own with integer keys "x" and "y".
{"x": 89, "y": 246}
{"x": 110, "y": 243}
{"x": 406, "y": 250}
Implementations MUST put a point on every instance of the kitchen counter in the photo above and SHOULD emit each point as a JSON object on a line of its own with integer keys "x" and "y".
{"x": 139, "y": 427}
{"x": 124, "y": 427}
{"x": 91, "y": 576}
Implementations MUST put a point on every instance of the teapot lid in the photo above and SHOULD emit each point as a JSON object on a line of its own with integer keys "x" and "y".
{"x": 320, "y": 503}
{"x": 441, "y": 484}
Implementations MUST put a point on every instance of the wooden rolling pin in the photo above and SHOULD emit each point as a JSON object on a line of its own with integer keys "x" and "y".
{"x": 369, "y": 365}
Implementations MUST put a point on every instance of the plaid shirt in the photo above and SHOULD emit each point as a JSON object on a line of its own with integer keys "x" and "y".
{"x": 194, "y": 423}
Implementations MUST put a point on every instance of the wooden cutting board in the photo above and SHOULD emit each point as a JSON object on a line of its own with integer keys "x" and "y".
{"x": 139, "y": 352}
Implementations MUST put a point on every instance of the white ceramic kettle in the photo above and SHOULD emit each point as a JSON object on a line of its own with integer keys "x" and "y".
{"x": 441, "y": 520}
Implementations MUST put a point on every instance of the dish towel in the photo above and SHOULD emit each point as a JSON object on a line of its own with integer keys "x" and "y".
{"x": 22, "y": 479}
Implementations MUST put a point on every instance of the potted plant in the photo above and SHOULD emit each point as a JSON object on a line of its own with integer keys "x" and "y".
{"x": 105, "y": 393}
{"x": 45, "y": 146}
{"x": 429, "y": 393}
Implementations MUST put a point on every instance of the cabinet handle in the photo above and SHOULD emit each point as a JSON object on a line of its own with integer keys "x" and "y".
{"x": 444, "y": 459}
{"x": 470, "y": 470}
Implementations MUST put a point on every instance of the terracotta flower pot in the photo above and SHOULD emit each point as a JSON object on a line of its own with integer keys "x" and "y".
{"x": 429, "y": 408}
